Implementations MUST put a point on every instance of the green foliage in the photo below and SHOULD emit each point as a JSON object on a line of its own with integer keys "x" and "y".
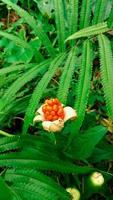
{"x": 37, "y": 62}
{"x": 31, "y": 21}
{"x": 85, "y": 13}
{"x": 89, "y": 31}
{"x": 100, "y": 155}
{"x": 9, "y": 143}
{"x": 67, "y": 76}
{"x": 73, "y": 16}
{"x": 32, "y": 184}
{"x": 87, "y": 143}
{"x": 60, "y": 23}
{"x": 20, "y": 82}
{"x": 99, "y": 11}
{"x": 33, "y": 156}
{"x": 83, "y": 88}
{"x": 15, "y": 67}
{"x": 5, "y": 191}
{"x": 15, "y": 39}
{"x": 110, "y": 20}
{"x": 106, "y": 71}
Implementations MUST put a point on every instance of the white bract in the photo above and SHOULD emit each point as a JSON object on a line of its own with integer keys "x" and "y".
{"x": 57, "y": 125}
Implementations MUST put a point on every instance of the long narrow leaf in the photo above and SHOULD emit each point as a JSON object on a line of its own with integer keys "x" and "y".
{"x": 40, "y": 181}
{"x": 99, "y": 12}
{"x": 16, "y": 160}
{"x": 73, "y": 18}
{"x": 83, "y": 88}
{"x": 110, "y": 20}
{"x": 16, "y": 67}
{"x": 60, "y": 23}
{"x": 85, "y": 13}
{"x": 89, "y": 31}
{"x": 67, "y": 76}
{"x": 106, "y": 61}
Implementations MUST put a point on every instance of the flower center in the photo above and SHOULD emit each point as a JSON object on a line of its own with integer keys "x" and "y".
{"x": 53, "y": 110}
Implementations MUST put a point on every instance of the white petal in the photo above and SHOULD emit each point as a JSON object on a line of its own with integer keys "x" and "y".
{"x": 38, "y": 118}
{"x": 70, "y": 113}
{"x": 54, "y": 126}
{"x": 39, "y": 111}
{"x": 46, "y": 125}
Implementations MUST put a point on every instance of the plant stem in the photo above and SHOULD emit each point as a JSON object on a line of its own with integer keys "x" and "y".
{"x": 5, "y": 134}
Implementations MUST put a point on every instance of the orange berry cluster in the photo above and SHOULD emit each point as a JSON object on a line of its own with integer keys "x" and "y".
{"x": 53, "y": 110}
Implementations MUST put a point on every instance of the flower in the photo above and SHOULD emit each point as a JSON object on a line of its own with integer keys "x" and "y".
{"x": 74, "y": 193}
{"x": 53, "y": 115}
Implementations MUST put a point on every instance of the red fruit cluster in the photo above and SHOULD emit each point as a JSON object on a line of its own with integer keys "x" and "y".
{"x": 53, "y": 110}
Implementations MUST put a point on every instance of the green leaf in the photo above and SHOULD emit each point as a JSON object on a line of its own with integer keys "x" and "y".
{"x": 110, "y": 20}
{"x": 84, "y": 144}
{"x": 99, "y": 12}
{"x": 106, "y": 67}
{"x": 85, "y": 13}
{"x": 5, "y": 192}
{"x": 67, "y": 76}
{"x": 100, "y": 155}
{"x": 40, "y": 183}
{"x": 9, "y": 143}
{"x": 16, "y": 67}
{"x": 73, "y": 17}
{"x": 83, "y": 88}
{"x": 60, "y": 23}
{"x": 40, "y": 153}
{"x": 89, "y": 31}
{"x": 27, "y": 160}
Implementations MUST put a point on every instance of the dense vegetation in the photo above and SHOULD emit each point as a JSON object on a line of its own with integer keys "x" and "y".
{"x": 56, "y": 49}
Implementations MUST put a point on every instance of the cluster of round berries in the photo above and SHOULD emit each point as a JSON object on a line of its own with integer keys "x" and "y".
{"x": 53, "y": 110}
